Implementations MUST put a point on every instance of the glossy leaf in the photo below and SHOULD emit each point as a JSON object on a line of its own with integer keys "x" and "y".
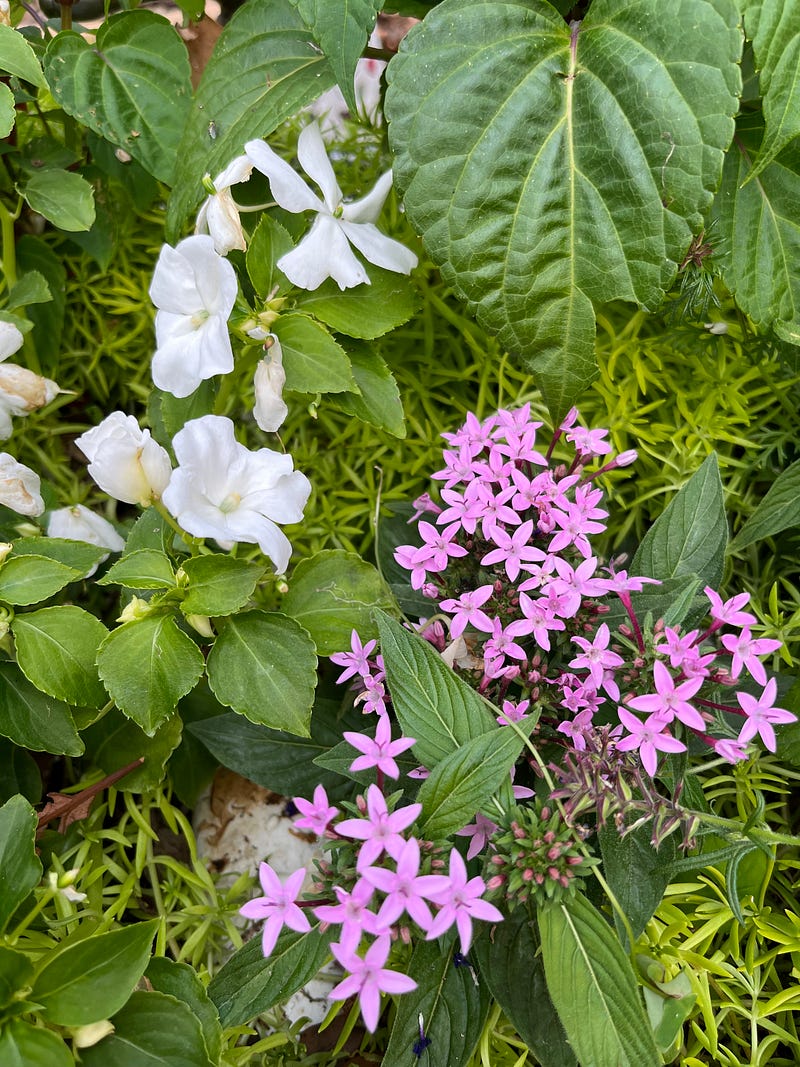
{"x": 269, "y": 242}
{"x": 218, "y": 584}
{"x": 366, "y": 311}
{"x": 146, "y": 569}
{"x": 341, "y": 30}
{"x": 313, "y": 361}
{"x": 593, "y": 986}
{"x": 20, "y": 869}
{"x": 264, "y": 666}
{"x": 152, "y": 1030}
{"x": 25, "y": 1045}
{"x": 30, "y": 579}
{"x": 57, "y": 649}
{"x": 180, "y": 980}
{"x": 774, "y": 28}
{"x": 64, "y": 198}
{"x": 33, "y": 720}
{"x": 16, "y": 971}
{"x": 147, "y": 666}
{"x": 116, "y": 741}
{"x": 17, "y": 57}
{"x": 778, "y": 511}
{"x": 132, "y": 87}
{"x": 78, "y": 555}
{"x": 606, "y": 134}
{"x": 378, "y": 399}
{"x": 432, "y": 704}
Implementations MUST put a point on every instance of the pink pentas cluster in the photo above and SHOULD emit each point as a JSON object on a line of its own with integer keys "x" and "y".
{"x": 508, "y": 558}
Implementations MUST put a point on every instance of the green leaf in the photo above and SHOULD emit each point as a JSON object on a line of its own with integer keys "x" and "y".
{"x": 8, "y": 113}
{"x": 150, "y": 531}
{"x": 378, "y": 400}
{"x": 432, "y": 703}
{"x": 453, "y": 1009}
{"x": 78, "y": 555}
{"x": 17, "y": 57}
{"x": 774, "y": 28}
{"x": 30, "y": 579}
{"x": 57, "y": 649}
{"x": 366, "y": 311}
{"x": 333, "y": 593}
{"x": 133, "y": 86}
{"x": 510, "y": 964}
{"x": 32, "y": 719}
{"x": 33, "y": 253}
{"x": 16, "y": 972}
{"x": 23, "y": 1045}
{"x": 20, "y": 869}
{"x": 64, "y": 198}
{"x": 463, "y": 782}
{"x": 249, "y": 984}
{"x": 339, "y": 760}
{"x": 116, "y": 741}
{"x": 152, "y": 1030}
{"x": 691, "y": 534}
{"x": 91, "y": 979}
{"x": 264, "y": 69}
{"x": 19, "y": 773}
{"x": 274, "y": 759}
{"x": 269, "y": 242}
{"x": 147, "y": 666}
{"x": 147, "y": 568}
{"x": 341, "y": 30}
{"x": 778, "y": 511}
{"x": 177, "y": 411}
{"x": 637, "y": 872}
{"x": 758, "y": 225}
{"x": 32, "y": 288}
{"x": 264, "y": 666}
{"x": 180, "y": 981}
{"x": 574, "y": 179}
{"x": 593, "y": 987}
{"x": 313, "y": 361}
{"x": 218, "y": 585}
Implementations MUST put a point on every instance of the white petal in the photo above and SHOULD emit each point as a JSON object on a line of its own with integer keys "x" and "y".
{"x": 6, "y": 426}
{"x": 238, "y": 170}
{"x": 11, "y": 339}
{"x": 313, "y": 158}
{"x": 78, "y": 523}
{"x": 323, "y": 253}
{"x": 207, "y": 448}
{"x": 288, "y": 188}
{"x": 174, "y": 287}
{"x": 270, "y": 408}
{"x": 186, "y": 358}
{"x": 369, "y": 207}
{"x": 223, "y": 224}
{"x": 379, "y": 249}
{"x": 19, "y": 487}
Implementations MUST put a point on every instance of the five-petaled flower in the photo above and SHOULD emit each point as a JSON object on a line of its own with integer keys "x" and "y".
{"x": 368, "y": 977}
{"x": 278, "y": 905}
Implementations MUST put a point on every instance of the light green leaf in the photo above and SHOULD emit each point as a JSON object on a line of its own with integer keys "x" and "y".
{"x": 30, "y": 579}
{"x": 133, "y": 86}
{"x": 341, "y": 29}
{"x": 593, "y": 987}
{"x": 690, "y": 536}
{"x": 759, "y": 227}
{"x": 8, "y": 112}
{"x": 366, "y": 311}
{"x": 17, "y": 57}
{"x": 578, "y": 176}
{"x": 333, "y": 593}
{"x": 32, "y": 288}
{"x": 32, "y": 719}
{"x": 24, "y": 1045}
{"x": 264, "y": 68}
{"x": 313, "y": 361}
{"x": 116, "y": 741}
{"x": 64, "y": 198}
{"x": 774, "y": 28}
{"x": 269, "y": 242}
{"x": 218, "y": 585}
{"x": 264, "y": 666}
{"x": 432, "y": 703}
{"x": 147, "y": 666}
{"x": 176, "y": 411}
{"x": 464, "y": 782}
{"x": 91, "y": 979}
{"x": 778, "y": 511}
{"x": 181, "y": 981}
{"x": 152, "y": 1030}
{"x": 56, "y": 650}
{"x": 20, "y": 869}
{"x": 146, "y": 568}
{"x": 378, "y": 400}
{"x": 78, "y": 555}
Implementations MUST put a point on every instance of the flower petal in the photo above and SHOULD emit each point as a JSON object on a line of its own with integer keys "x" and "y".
{"x": 323, "y": 253}
{"x": 369, "y": 207}
{"x": 287, "y": 186}
{"x": 379, "y": 249}
{"x": 314, "y": 160}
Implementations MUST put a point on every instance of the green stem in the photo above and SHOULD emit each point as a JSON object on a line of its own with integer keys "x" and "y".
{"x": 9, "y": 251}
{"x": 22, "y": 926}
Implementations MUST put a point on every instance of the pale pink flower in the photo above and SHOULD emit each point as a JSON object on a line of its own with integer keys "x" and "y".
{"x": 368, "y": 978}
{"x": 278, "y": 905}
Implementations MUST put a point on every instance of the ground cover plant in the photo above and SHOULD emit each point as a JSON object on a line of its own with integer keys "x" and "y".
{"x": 505, "y": 336}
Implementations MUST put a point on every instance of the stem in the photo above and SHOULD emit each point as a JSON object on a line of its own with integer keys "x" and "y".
{"x": 170, "y": 521}
{"x": 9, "y": 251}
{"x": 628, "y": 605}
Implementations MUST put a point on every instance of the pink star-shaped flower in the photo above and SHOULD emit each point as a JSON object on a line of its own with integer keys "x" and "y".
{"x": 671, "y": 701}
{"x": 380, "y": 831}
{"x": 649, "y": 737}
{"x": 316, "y": 814}
{"x": 368, "y": 978}
{"x": 761, "y": 714}
{"x": 461, "y": 902}
{"x": 380, "y": 751}
{"x": 278, "y": 905}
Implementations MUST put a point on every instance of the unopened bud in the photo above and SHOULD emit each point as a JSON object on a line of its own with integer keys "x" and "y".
{"x": 86, "y": 1036}
{"x": 136, "y": 610}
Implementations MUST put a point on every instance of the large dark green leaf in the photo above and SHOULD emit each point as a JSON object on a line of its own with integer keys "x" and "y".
{"x": 24, "y": 1045}
{"x": 774, "y": 28}
{"x": 341, "y": 28}
{"x": 116, "y": 741}
{"x": 132, "y": 86}
{"x": 637, "y": 872}
{"x": 57, "y": 649}
{"x": 181, "y": 981}
{"x": 152, "y": 1030}
{"x": 33, "y": 720}
{"x": 264, "y": 68}
{"x": 20, "y": 868}
{"x": 550, "y": 167}
{"x": 778, "y": 511}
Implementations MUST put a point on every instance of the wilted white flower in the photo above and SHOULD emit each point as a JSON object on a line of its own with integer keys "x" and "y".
{"x": 221, "y": 489}
{"x": 78, "y": 523}
{"x": 194, "y": 290}
{"x": 21, "y": 391}
{"x": 20, "y": 487}
{"x": 325, "y": 251}
{"x": 11, "y": 339}
{"x": 219, "y": 216}
{"x": 125, "y": 461}
{"x": 270, "y": 408}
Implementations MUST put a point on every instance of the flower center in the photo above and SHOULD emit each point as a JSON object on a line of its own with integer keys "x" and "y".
{"x": 199, "y": 318}
{"x": 230, "y": 503}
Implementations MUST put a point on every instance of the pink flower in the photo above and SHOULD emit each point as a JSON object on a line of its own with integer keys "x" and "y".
{"x": 596, "y": 656}
{"x": 729, "y": 611}
{"x": 761, "y": 714}
{"x": 351, "y": 911}
{"x": 466, "y": 611}
{"x": 278, "y": 905}
{"x": 745, "y": 650}
{"x": 513, "y": 549}
{"x": 316, "y": 815}
{"x": 368, "y": 978}
{"x": 480, "y": 831}
{"x": 406, "y": 889}
{"x": 380, "y": 831}
{"x": 379, "y": 752}
{"x": 461, "y": 902}
{"x": 671, "y": 701}
{"x": 649, "y": 737}
{"x": 355, "y": 662}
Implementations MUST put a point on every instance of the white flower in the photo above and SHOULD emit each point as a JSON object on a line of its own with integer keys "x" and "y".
{"x": 21, "y": 391}
{"x": 19, "y": 487}
{"x": 10, "y": 339}
{"x": 223, "y": 490}
{"x": 270, "y": 409}
{"x": 125, "y": 461}
{"x": 325, "y": 251}
{"x": 194, "y": 290}
{"x": 219, "y": 215}
{"x": 78, "y": 523}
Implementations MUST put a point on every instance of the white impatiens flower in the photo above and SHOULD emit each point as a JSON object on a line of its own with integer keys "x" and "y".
{"x": 78, "y": 523}
{"x": 20, "y": 487}
{"x": 10, "y": 339}
{"x": 270, "y": 408}
{"x": 21, "y": 391}
{"x": 219, "y": 215}
{"x": 221, "y": 489}
{"x": 325, "y": 251}
{"x": 194, "y": 290}
{"x": 125, "y": 461}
